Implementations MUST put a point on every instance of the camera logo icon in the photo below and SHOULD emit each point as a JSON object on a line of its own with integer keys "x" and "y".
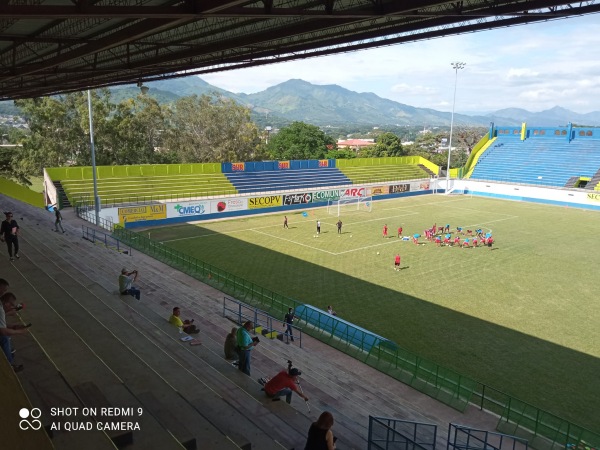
{"x": 34, "y": 414}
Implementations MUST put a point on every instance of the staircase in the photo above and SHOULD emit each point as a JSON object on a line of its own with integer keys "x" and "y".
{"x": 63, "y": 200}
{"x": 430, "y": 172}
{"x": 571, "y": 182}
{"x": 593, "y": 183}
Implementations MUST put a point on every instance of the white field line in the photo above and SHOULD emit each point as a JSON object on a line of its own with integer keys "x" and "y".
{"x": 293, "y": 242}
{"x": 280, "y": 225}
{"x": 223, "y": 232}
{"x": 392, "y": 241}
{"x": 491, "y": 221}
{"x": 333, "y": 224}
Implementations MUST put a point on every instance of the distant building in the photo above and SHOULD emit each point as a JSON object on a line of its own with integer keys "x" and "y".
{"x": 355, "y": 144}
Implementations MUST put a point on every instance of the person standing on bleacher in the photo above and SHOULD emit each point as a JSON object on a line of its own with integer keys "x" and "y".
{"x": 58, "y": 221}
{"x": 9, "y": 234}
{"x": 245, "y": 344}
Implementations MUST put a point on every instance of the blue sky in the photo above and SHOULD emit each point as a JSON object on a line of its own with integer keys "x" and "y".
{"x": 534, "y": 67}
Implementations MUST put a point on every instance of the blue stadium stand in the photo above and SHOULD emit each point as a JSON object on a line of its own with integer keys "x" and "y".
{"x": 545, "y": 161}
{"x": 276, "y": 180}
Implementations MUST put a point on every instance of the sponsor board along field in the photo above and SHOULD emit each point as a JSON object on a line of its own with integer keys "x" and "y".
{"x": 523, "y": 317}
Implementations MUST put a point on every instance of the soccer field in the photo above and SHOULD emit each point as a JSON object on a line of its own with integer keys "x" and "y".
{"x": 523, "y": 317}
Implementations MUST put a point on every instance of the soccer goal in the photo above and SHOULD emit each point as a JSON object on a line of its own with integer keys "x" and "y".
{"x": 349, "y": 204}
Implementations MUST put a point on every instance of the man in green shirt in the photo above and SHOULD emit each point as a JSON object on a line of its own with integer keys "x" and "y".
{"x": 246, "y": 343}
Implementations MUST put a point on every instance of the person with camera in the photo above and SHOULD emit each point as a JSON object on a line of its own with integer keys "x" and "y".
{"x": 9, "y": 306}
{"x": 245, "y": 344}
{"x": 185, "y": 326}
{"x": 126, "y": 280}
{"x": 284, "y": 383}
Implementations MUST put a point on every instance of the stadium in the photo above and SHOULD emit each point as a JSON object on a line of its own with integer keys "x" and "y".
{"x": 501, "y": 339}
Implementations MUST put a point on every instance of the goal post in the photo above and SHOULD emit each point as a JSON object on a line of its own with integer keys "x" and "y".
{"x": 349, "y": 204}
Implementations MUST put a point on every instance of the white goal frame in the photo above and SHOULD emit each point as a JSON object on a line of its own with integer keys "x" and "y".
{"x": 349, "y": 204}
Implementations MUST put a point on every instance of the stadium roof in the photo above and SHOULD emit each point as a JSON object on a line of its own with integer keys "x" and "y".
{"x": 52, "y": 46}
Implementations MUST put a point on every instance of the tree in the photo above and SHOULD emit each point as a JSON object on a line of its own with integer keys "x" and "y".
{"x": 299, "y": 141}
{"x": 467, "y": 138}
{"x": 59, "y": 130}
{"x": 211, "y": 128}
{"x": 342, "y": 153}
{"x": 388, "y": 144}
{"x": 136, "y": 132}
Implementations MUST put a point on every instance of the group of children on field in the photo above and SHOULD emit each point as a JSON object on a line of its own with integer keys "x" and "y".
{"x": 442, "y": 236}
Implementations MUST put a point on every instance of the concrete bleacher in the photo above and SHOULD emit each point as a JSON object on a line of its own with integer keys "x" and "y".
{"x": 538, "y": 161}
{"x": 384, "y": 173}
{"x": 89, "y": 345}
{"x": 155, "y": 187}
{"x": 275, "y": 180}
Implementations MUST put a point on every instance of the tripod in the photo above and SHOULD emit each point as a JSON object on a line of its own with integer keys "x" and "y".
{"x": 305, "y": 401}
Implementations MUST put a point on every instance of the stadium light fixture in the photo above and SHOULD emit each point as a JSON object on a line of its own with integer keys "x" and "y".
{"x": 143, "y": 89}
{"x": 456, "y": 66}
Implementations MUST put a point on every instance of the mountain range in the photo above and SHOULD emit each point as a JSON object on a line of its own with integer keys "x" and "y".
{"x": 333, "y": 105}
{"x": 323, "y": 105}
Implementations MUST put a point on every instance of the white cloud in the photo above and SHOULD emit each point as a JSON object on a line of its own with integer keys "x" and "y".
{"x": 533, "y": 67}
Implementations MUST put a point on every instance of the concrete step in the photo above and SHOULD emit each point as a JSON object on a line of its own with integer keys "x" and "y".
{"x": 75, "y": 343}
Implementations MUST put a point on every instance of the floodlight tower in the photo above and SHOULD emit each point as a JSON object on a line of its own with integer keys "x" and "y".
{"x": 456, "y": 66}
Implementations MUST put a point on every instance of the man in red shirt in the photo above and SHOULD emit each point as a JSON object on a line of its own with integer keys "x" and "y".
{"x": 283, "y": 384}
{"x": 397, "y": 262}
{"x": 385, "y": 230}
{"x": 399, "y": 232}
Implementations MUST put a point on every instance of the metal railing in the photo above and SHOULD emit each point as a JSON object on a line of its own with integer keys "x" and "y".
{"x": 394, "y": 434}
{"x": 99, "y": 237}
{"x": 240, "y": 312}
{"x": 88, "y": 214}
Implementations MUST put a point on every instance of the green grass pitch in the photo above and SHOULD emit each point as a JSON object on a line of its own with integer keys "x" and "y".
{"x": 523, "y": 318}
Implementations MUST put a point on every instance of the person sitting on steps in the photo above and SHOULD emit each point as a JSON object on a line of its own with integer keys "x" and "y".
{"x": 231, "y": 345}
{"x": 185, "y": 326}
{"x": 126, "y": 280}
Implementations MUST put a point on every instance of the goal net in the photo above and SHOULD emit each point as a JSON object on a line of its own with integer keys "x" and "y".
{"x": 349, "y": 204}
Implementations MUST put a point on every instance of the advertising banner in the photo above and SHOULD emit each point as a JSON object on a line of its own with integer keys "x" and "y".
{"x": 595, "y": 197}
{"x": 354, "y": 192}
{"x": 297, "y": 199}
{"x": 192, "y": 208}
{"x": 143, "y": 212}
{"x": 228, "y": 204}
{"x": 238, "y": 167}
{"x": 284, "y": 165}
{"x": 397, "y": 188}
{"x": 378, "y": 190}
{"x": 323, "y": 163}
{"x": 264, "y": 202}
{"x": 323, "y": 196}
{"x": 423, "y": 186}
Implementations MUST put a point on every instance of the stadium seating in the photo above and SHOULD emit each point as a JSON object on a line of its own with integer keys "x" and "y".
{"x": 138, "y": 187}
{"x": 383, "y": 173}
{"x": 538, "y": 161}
{"x": 263, "y": 181}
{"x": 141, "y": 188}
{"x": 107, "y": 348}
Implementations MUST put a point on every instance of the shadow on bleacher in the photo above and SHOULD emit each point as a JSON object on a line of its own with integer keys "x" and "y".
{"x": 90, "y": 347}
